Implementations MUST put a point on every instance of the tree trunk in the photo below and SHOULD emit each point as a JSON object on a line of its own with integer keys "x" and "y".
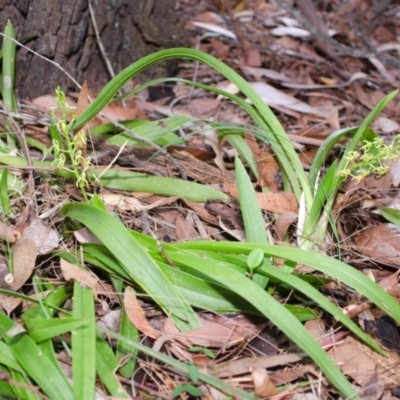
{"x": 62, "y": 31}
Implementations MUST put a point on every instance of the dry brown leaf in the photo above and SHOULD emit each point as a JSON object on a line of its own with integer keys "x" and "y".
{"x": 185, "y": 229}
{"x": 9, "y": 303}
{"x": 268, "y": 169}
{"x": 111, "y": 320}
{"x": 117, "y": 113}
{"x": 391, "y": 281}
{"x": 244, "y": 365}
{"x": 263, "y": 387}
{"x": 211, "y": 138}
{"x": 280, "y": 202}
{"x": 203, "y": 106}
{"x": 283, "y": 222}
{"x": 278, "y": 99}
{"x": 316, "y": 328}
{"x": 284, "y": 377}
{"x": 136, "y": 314}
{"x": 380, "y": 243}
{"x": 356, "y": 361}
{"x": 73, "y": 272}
{"x": 47, "y": 103}
{"x": 251, "y": 142}
{"x": 83, "y": 235}
{"x": 209, "y": 17}
{"x": 24, "y": 258}
{"x": 217, "y": 331}
{"x": 112, "y": 200}
{"x": 45, "y": 238}
{"x": 253, "y": 57}
{"x": 199, "y": 209}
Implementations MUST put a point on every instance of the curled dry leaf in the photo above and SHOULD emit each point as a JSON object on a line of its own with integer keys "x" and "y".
{"x": 111, "y": 320}
{"x": 136, "y": 314}
{"x": 263, "y": 387}
{"x": 24, "y": 258}
{"x": 9, "y": 303}
{"x": 380, "y": 243}
{"x": 283, "y": 223}
{"x": 217, "y": 331}
{"x": 232, "y": 368}
{"x": 268, "y": 168}
{"x": 364, "y": 366}
{"x": 276, "y": 98}
{"x": 46, "y": 238}
{"x": 73, "y": 272}
{"x": 112, "y": 200}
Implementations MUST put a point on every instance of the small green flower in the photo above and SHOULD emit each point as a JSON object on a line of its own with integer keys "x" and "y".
{"x": 67, "y": 151}
{"x": 372, "y": 158}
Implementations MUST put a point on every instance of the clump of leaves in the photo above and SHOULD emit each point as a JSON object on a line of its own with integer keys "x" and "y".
{"x": 180, "y": 277}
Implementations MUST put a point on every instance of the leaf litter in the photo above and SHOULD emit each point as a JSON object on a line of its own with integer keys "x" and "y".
{"x": 312, "y": 98}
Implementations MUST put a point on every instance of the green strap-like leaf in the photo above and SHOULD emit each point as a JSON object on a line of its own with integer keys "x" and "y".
{"x": 136, "y": 262}
{"x": 35, "y": 363}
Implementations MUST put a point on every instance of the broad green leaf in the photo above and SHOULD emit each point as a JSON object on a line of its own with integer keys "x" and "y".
{"x": 43, "y": 329}
{"x": 106, "y": 366}
{"x": 7, "y": 358}
{"x": 255, "y": 258}
{"x": 135, "y": 261}
{"x": 8, "y": 70}
{"x": 153, "y": 130}
{"x": 252, "y": 216}
{"x": 35, "y": 363}
{"x": 83, "y": 340}
{"x": 270, "y": 126}
{"x": 391, "y": 214}
{"x": 124, "y": 350}
{"x": 269, "y": 307}
{"x": 138, "y": 182}
{"x": 244, "y": 151}
{"x": 328, "y": 265}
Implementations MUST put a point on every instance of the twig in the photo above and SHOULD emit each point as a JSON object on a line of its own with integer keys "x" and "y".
{"x": 46, "y": 59}
{"x": 100, "y": 42}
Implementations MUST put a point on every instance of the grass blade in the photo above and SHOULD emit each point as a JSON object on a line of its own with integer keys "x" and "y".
{"x": 106, "y": 365}
{"x": 138, "y": 182}
{"x": 136, "y": 262}
{"x": 269, "y": 307}
{"x": 252, "y": 216}
{"x": 83, "y": 341}
{"x": 9, "y": 50}
{"x": 35, "y": 363}
{"x": 328, "y": 265}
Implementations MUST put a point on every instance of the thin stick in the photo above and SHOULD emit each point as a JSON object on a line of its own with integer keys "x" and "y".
{"x": 46, "y": 59}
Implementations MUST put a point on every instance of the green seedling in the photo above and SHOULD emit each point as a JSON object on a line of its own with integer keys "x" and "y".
{"x": 254, "y": 260}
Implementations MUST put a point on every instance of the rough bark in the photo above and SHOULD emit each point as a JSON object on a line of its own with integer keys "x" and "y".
{"x": 62, "y": 31}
